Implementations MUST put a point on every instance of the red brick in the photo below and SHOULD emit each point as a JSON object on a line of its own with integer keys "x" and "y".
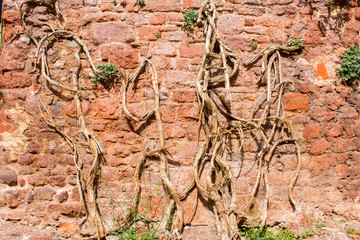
{"x": 46, "y": 161}
{"x": 342, "y": 170}
{"x": 192, "y": 4}
{"x": 319, "y": 147}
{"x": 238, "y": 42}
{"x": 249, "y": 22}
{"x": 112, "y": 32}
{"x": 62, "y": 197}
{"x": 357, "y": 13}
{"x": 333, "y": 130}
{"x": 344, "y": 145}
{"x": 184, "y": 95}
{"x": 163, "y": 6}
{"x": 322, "y": 162}
{"x": 8, "y": 176}
{"x": 296, "y": 102}
{"x": 322, "y": 72}
{"x": 174, "y": 131}
{"x": 44, "y": 193}
{"x": 69, "y": 108}
{"x": 59, "y": 181}
{"x": 14, "y": 80}
{"x": 191, "y": 50}
{"x": 148, "y": 32}
{"x": 10, "y": 15}
{"x": 68, "y": 228}
{"x": 121, "y": 55}
{"x": 66, "y": 209}
{"x": 5, "y": 128}
{"x": 164, "y": 48}
{"x": 321, "y": 114}
{"x": 311, "y": 131}
{"x": 230, "y": 24}
{"x": 36, "y": 180}
{"x": 34, "y": 147}
{"x": 307, "y": 88}
{"x": 157, "y": 18}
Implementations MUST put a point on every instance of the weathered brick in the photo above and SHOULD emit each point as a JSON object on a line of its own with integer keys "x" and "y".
{"x": 157, "y": 18}
{"x": 163, "y": 48}
{"x": 184, "y": 95}
{"x": 121, "y": 55}
{"x": 230, "y": 24}
{"x": 311, "y": 131}
{"x": 148, "y": 33}
{"x": 44, "y": 193}
{"x": 163, "y": 6}
{"x": 296, "y": 102}
{"x": 112, "y": 32}
{"x": 14, "y": 80}
{"x": 46, "y": 161}
{"x": 8, "y": 176}
{"x": 322, "y": 72}
{"x": 319, "y": 147}
{"x": 191, "y": 50}
{"x": 333, "y": 130}
{"x": 68, "y": 228}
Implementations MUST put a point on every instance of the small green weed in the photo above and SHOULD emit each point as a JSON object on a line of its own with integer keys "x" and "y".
{"x": 297, "y": 42}
{"x": 158, "y": 35}
{"x": 321, "y": 225}
{"x": 352, "y": 230}
{"x": 263, "y": 233}
{"x": 253, "y": 44}
{"x": 336, "y": 3}
{"x": 349, "y": 71}
{"x": 108, "y": 73}
{"x": 142, "y": 3}
{"x": 190, "y": 20}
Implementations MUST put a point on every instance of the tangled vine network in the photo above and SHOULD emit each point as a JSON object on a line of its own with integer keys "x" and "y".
{"x": 218, "y": 124}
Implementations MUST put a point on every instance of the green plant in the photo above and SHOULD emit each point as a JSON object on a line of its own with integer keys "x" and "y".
{"x": 253, "y": 44}
{"x": 352, "y": 230}
{"x": 264, "y": 233}
{"x": 321, "y": 225}
{"x": 108, "y": 73}
{"x": 142, "y": 3}
{"x": 349, "y": 71}
{"x": 297, "y": 42}
{"x": 190, "y": 21}
{"x": 157, "y": 35}
{"x": 336, "y": 3}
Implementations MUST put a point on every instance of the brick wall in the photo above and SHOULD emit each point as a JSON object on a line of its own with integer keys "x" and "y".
{"x": 38, "y": 176}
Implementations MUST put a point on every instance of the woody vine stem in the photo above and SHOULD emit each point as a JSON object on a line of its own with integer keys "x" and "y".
{"x": 217, "y": 123}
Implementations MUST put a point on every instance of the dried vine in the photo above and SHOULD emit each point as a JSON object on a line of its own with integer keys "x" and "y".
{"x": 178, "y": 223}
{"x": 88, "y": 183}
{"x": 217, "y": 122}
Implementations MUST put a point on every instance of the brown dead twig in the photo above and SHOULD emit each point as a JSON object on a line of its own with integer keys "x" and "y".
{"x": 88, "y": 183}
{"x": 175, "y": 204}
{"x": 218, "y": 124}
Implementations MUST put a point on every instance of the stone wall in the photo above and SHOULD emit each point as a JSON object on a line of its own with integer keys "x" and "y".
{"x": 38, "y": 176}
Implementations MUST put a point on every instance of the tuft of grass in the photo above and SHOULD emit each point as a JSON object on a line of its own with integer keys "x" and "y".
{"x": 263, "y": 233}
